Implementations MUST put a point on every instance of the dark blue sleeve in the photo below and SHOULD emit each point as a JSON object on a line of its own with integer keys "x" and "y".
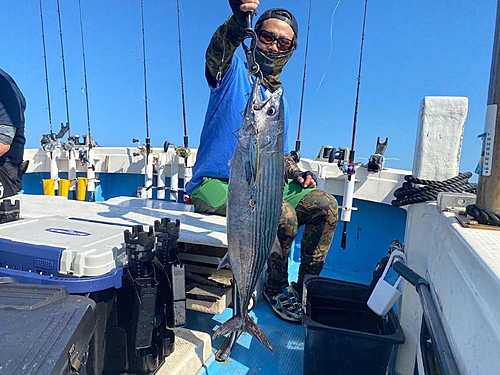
{"x": 12, "y": 102}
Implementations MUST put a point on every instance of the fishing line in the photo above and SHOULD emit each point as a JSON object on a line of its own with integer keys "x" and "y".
{"x": 46, "y": 71}
{"x": 85, "y": 73}
{"x": 297, "y": 143}
{"x": 145, "y": 79}
{"x": 331, "y": 46}
{"x": 64, "y": 69}
{"x": 182, "y": 77}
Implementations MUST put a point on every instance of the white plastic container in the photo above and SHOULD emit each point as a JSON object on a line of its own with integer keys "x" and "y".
{"x": 385, "y": 295}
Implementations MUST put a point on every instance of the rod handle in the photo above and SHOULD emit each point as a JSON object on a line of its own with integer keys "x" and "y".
{"x": 343, "y": 242}
{"x": 408, "y": 274}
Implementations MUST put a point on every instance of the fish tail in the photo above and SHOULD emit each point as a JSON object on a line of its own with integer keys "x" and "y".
{"x": 244, "y": 324}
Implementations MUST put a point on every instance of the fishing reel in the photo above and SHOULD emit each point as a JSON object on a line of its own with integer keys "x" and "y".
{"x": 83, "y": 156}
{"x": 295, "y": 155}
{"x": 341, "y": 156}
{"x": 73, "y": 143}
{"x": 180, "y": 151}
{"x": 144, "y": 149}
{"x": 51, "y": 141}
{"x": 376, "y": 161}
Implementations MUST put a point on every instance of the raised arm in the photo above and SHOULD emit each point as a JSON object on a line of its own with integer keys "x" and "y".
{"x": 225, "y": 40}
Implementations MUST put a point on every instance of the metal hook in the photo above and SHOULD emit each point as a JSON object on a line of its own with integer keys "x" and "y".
{"x": 249, "y": 33}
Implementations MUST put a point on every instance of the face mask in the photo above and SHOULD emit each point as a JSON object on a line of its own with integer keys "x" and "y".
{"x": 272, "y": 63}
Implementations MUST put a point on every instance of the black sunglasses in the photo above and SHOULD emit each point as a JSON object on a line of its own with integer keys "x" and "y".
{"x": 267, "y": 37}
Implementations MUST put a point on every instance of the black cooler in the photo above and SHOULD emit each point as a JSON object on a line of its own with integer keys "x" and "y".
{"x": 43, "y": 329}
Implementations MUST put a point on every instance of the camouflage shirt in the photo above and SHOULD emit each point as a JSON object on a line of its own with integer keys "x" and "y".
{"x": 226, "y": 39}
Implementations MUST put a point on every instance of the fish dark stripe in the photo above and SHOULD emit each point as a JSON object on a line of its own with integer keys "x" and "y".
{"x": 266, "y": 214}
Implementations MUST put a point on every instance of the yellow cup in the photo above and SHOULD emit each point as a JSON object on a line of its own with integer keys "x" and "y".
{"x": 82, "y": 188}
{"x": 63, "y": 187}
{"x": 49, "y": 187}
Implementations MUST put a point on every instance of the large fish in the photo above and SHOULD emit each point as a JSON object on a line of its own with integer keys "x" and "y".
{"x": 254, "y": 201}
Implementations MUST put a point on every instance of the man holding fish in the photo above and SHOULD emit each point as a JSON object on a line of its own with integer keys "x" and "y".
{"x": 224, "y": 140}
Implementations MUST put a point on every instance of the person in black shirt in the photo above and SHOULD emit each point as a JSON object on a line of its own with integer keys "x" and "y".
{"x": 12, "y": 140}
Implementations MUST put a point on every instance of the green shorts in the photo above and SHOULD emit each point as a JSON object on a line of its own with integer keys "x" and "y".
{"x": 210, "y": 196}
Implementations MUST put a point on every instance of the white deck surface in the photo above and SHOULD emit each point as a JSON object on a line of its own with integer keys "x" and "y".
{"x": 192, "y": 350}
{"x": 485, "y": 243}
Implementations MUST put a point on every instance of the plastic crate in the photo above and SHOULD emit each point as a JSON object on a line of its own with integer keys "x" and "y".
{"x": 342, "y": 335}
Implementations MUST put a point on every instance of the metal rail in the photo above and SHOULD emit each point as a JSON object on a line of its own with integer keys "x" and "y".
{"x": 445, "y": 360}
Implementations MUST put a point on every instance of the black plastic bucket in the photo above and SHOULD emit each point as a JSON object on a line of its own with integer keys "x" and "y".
{"x": 343, "y": 336}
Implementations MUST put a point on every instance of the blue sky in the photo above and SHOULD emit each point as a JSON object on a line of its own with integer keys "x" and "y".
{"x": 412, "y": 49}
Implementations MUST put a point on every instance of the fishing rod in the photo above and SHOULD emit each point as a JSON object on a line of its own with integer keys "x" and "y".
{"x": 182, "y": 78}
{"x": 63, "y": 68}
{"x": 87, "y": 158}
{"x": 71, "y": 145}
{"x": 183, "y": 152}
{"x": 349, "y": 167}
{"x": 148, "y": 141}
{"x": 148, "y": 176}
{"x": 50, "y": 141}
{"x": 46, "y": 71}
{"x": 296, "y": 153}
{"x": 85, "y": 73}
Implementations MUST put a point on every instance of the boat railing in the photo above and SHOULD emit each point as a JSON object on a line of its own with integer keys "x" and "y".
{"x": 440, "y": 345}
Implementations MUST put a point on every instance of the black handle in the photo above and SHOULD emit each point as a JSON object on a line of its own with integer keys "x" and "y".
{"x": 343, "y": 241}
{"x": 408, "y": 274}
{"x": 249, "y": 20}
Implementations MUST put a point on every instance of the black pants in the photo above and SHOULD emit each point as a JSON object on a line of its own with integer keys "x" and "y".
{"x": 10, "y": 179}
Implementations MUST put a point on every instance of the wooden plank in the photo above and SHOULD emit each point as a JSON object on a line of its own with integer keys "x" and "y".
{"x": 204, "y": 292}
{"x": 468, "y": 222}
{"x": 206, "y": 270}
{"x": 195, "y": 249}
{"x": 216, "y": 307}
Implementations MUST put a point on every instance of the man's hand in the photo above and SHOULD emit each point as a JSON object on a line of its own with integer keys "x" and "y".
{"x": 4, "y": 148}
{"x": 241, "y": 7}
{"x": 249, "y": 5}
{"x": 306, "y": 179}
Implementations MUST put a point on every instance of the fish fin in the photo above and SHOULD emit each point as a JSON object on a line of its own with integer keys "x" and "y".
{"x": 244, "y": 324}
{"x": 277, "y": 247}
{"x": 224, "y": 263}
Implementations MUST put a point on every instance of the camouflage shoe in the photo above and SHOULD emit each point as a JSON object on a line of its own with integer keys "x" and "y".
{"x": 285, "y": 304}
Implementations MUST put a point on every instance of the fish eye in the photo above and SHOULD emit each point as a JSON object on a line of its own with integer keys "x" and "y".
{"x": 271, "y": 111}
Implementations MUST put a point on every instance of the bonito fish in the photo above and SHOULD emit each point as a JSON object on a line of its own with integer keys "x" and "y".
{"x": 254, "y": 201}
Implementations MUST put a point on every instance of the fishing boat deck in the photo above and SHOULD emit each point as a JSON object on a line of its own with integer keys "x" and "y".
{"x": 248, "y": 356}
